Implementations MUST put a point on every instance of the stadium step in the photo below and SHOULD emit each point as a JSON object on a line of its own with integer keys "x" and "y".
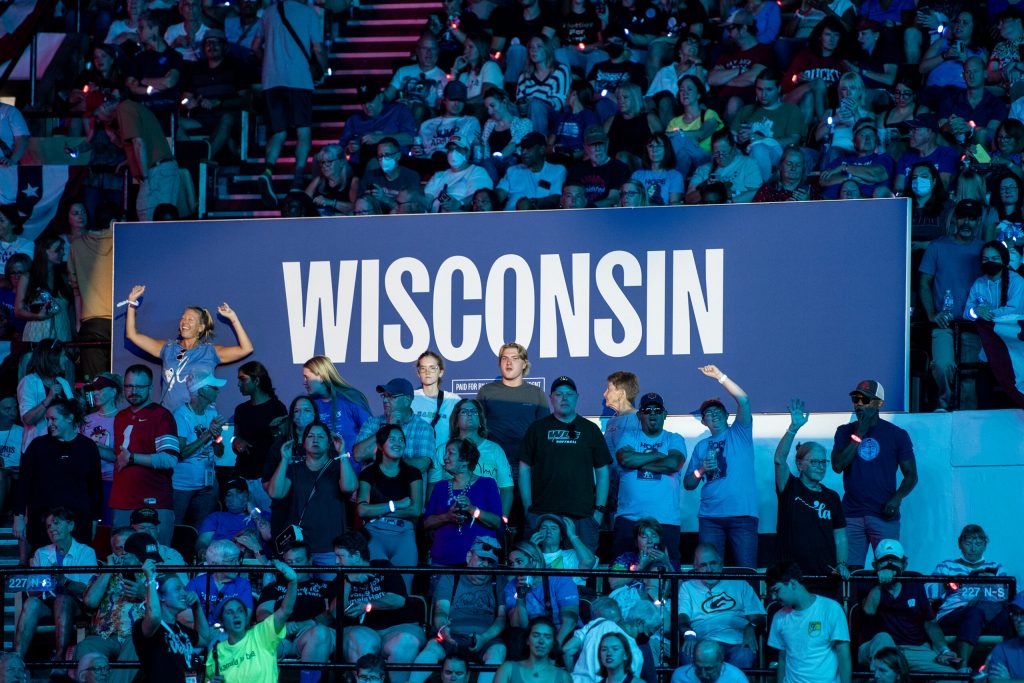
{"x": 377, "y": 36}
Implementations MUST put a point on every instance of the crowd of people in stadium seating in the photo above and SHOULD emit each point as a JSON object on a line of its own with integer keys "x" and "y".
{"x": 125, "y": 471}
{"x": 505, "y": 106}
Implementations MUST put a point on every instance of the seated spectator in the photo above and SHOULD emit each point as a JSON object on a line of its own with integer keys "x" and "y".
{"x": 662, "y": 183}
{"x": 816, "y": 68}
{"x": 93, "y": 668}
{"x": 166, "y": 648}
{"x": 318, "y": 508}
{"x": 972, "y": 114}
{"x": 154, "y": 75}
{"x": 999, "y": 290}
{"x": 188, "y": 36}
{"x": 726, "y": 611}
{"x": 708, "y": 666}
{"x": 838, "y": 125}
{"x": 469, "y": 422}
{"x": 608, "y": 75}
{"x": 306, "y": 634}
{"x": 468, "y": 613}
{"x": 850, "y": 189}
{"x": 969, "y": 611}
{"x": 385, "y": 183}
{"x": 811, "y": 528}
{"x": 560, "y": 546}
{"x": 943, "y": 62}
{"x": 606, "y": 618}
{"x": 147, "y": 521}
{"x": 693, "y": 128}
{"x": 579, "y": 33}
{"x": 1007, "y": 147}
{"x": 900, "y": 615}
{"x": 890, "y": 666}
{"x": 201, "y": 443}
{"x": 810, "y": 631}
{"x": 331, "y": 190}
{"x": 528, "y": 597}
{"x": 513, "y": 25}
{"x": 533, "y": 178}
{"x": 734, "y": 72}
{"x": 486, "y": 199}
{"x": 469, "y": 500}
{"x": 631, "y": 126}
{"x": 632, "y": 194}
{"x": 1006, "y": 199}
{"x": 876, "y": 62}
{"x": 659, "y": 21}
{"x": 870, "y": 168}
{"x": 216, "y": 587}
{"x": 451, "y": 126}
{"x": 790, "y": 184}
{"x": 949, "y": 268}
{"x": 738, "y": 172}
{"x": 930, "y": 205}
{"x": 572, "y": 122}
{"x": 419, "y": 86}
{"x": 411, "y": 200}
{"x": 390, "y": 500}
{"x": 376, "y": 120}
{"x": 477, "y": 71}
{"x": 541, "y": 656}
{"x": 238, "y": 515}
{"x": 893, "y": 123}
{"x": 63, "y": 603}
{"x": 648, "y": 547}
{"x": 244, "y": 31}
{"x": 574, "y": 196}
{"x": 102, "y": 74}
{"x": 503, "y": 130}
{"x": 378, "y": 618}
{"x": 543, "y": 85}
{"x": 713, "y": 193}
{"x": 765, "y": 128}
{"x": 1005, "y": 662}
{"x": 214, "y": 94}
{"x": 600, "y": 174}
{"x": 1005, "y": 65}
{"x": 116, "y": 600}
{"x": 452, "y": 189}
{"x": 246, "y": 654}
{"x": 689, "y": 62}
{"x": 924, "y": 147}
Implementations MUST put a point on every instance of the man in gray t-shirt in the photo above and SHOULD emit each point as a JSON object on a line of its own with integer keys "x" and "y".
{"x": 288, "y": 85}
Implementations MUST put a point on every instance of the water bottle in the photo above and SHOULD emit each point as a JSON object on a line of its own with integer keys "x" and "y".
{"x": 947, "y": 306}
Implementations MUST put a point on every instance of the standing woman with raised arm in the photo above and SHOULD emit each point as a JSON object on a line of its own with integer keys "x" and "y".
{"x": 811, "y": 524}
{"x": 193, "y": 349}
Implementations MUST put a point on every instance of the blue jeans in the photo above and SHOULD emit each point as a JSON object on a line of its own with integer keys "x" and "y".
{"x": 862, "y": 530}
{"x": 739, "y": 532}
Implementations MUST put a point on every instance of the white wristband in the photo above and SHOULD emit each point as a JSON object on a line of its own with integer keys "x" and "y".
{"x": 391, "y": 505}
{"x": 721, "y": 380}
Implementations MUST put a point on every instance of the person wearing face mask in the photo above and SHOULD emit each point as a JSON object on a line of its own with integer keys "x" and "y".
{"x": 387, "y": 181}
{"x": 811, "y": 524}
{"x": 867, "y": 452}
{"x": 998, "y": 291}
{"x": 900, "y": 615}
{"x": 451, "y": 189}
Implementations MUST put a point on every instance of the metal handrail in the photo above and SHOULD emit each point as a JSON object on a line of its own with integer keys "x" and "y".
{"x": 673, "y": 578}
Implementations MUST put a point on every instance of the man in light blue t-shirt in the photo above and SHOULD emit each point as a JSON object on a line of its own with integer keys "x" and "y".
{"x": 725, "y": 463}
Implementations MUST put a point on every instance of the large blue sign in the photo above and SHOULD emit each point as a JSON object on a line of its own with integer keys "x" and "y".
{"x": 800, "y": 299}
